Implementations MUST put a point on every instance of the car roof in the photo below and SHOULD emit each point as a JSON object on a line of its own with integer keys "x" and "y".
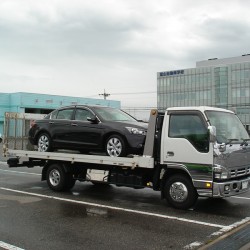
{"x": 84, "y": 106}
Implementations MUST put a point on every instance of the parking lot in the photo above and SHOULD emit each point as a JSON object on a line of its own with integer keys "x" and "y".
{"x": 107, "y": 217}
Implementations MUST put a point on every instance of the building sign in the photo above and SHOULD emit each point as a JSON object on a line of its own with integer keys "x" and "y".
{"x": 172, "y": 73}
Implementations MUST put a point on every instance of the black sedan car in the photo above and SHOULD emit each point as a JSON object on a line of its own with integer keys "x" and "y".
{"x": 89, "y": 128}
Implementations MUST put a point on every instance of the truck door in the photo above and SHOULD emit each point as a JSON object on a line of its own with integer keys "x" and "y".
{"x": 185, "y": 139}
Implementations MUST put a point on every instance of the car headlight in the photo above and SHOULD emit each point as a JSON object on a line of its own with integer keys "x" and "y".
{"x": 136, "y": 131}
{"x": 220, "y": 172}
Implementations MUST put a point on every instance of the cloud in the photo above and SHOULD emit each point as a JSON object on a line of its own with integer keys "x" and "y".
{"x": 62, "y": 47}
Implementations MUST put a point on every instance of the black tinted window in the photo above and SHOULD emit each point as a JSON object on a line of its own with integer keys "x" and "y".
{"x": 83, "y": 115}
{"x": 191, "y": 127}
{"x": 65, "y": 114}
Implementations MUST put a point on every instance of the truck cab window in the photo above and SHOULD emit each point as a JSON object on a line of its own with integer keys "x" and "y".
{"x": 190, "y": 127}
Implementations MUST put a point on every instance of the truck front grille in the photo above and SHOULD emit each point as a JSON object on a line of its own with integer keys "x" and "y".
{"x": 240, "y": 172}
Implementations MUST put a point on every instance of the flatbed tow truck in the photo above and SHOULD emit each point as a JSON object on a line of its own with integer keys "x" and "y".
{"x": 188, "y": 152}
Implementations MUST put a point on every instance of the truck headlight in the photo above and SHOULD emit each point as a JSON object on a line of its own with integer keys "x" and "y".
{"x": 136, "y": 131}
{"x": 220, "y": 172}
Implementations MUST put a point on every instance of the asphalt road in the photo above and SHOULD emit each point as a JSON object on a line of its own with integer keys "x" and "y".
{"x": 93, "y": 217}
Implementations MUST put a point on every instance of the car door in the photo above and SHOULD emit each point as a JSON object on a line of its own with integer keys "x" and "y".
{"x": 86, "y": 133}
{"x": 60, "y": 128}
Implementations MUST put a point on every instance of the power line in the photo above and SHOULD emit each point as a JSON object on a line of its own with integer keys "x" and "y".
{"x": 135, "y": 93}
{"x": 105, "y": 95}
{"x": 126, "y": 93}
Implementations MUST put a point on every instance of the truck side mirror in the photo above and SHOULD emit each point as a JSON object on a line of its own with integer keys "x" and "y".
{"x": 212, "y": 133}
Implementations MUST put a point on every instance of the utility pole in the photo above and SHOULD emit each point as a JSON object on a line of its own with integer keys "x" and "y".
{"x": 105, "y": 95}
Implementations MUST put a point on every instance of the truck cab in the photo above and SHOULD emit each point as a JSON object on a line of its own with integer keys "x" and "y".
{"x": 208, "y": 146}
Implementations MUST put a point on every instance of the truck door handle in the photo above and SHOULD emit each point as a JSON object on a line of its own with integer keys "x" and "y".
{"x": 170, "y": 153}
{"x": 51, "y": 122}
{"x": 74, "y": 124}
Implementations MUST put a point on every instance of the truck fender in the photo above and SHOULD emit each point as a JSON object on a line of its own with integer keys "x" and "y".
{"x": 170, "y": 170}
{"x": 47, "y": 165}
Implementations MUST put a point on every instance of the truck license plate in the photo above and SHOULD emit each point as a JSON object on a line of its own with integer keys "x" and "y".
{"x": 244, "y": 184}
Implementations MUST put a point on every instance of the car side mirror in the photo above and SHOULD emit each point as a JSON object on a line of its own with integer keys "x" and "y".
{"x": 212, "y": 133}
{"x": 1, "y": 139}
{"x": 93, "y": 119}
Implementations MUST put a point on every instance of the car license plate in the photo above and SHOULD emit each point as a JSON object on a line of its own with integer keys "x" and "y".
{"x": 244, "y": 184}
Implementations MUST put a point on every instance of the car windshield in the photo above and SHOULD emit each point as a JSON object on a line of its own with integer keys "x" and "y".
{"x": 228, "y": 127}
{"x": 110, "y": 114}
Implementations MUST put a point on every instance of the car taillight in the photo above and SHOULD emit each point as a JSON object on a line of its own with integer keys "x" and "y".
{"x": 33, "y": 124}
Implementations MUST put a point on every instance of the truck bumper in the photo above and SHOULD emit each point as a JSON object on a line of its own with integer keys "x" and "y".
{"x": 230, "y": 188}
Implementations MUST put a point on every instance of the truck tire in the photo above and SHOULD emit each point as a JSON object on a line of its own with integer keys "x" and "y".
{"x": 180, "y": 192}
{"x": 57, "y": 178}
{"x": 70, "y": 182}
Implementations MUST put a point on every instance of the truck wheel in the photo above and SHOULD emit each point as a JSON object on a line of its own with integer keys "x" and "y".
{"x": 180, "y": 192}
{"x": 56, "y": 178}
{"x": 44, "y": 143}
{"x": 115, "y": 146}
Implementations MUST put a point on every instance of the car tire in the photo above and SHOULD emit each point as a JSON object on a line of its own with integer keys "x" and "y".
{"x": 180, "y": 192}
{"x": 115, "y": 146}
{"x": 44, "y": 143}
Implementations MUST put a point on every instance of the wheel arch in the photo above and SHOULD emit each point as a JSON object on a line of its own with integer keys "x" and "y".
{"x": 63, "y": 165}
{"x": 107, "y": 135}
{"x": 42, "y": 131}
{"x": 173, "y": 170}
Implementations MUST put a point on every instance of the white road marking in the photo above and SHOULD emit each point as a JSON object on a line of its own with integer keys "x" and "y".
{"x": 18, "y": 172}
{"x": 240, "y": 197}
{"x": 9, "y": 247}
{"x": 117, "y": 208}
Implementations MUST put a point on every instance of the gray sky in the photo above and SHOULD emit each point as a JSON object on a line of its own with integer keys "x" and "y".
{"x": 81, "y": 47}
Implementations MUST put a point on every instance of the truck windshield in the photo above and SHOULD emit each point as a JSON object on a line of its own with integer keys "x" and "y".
{"x": 228, "y": 127}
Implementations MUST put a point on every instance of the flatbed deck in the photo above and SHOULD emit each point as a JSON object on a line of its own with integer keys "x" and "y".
{"x": 134, "y": 161}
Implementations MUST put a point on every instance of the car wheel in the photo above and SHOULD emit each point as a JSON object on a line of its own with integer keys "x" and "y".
{"x": 44, "y": 143}
{"x": 115, "y": 146}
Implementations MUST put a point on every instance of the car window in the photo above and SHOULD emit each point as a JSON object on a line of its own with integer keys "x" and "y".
{"x": 111, "y": 114}
{"x": 65, "y": 114}
{"x": 53, "y": 115}
{"x": 83, "y": 115}
{"x": 190, "y": 127}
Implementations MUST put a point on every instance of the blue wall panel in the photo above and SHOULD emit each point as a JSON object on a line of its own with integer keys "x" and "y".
{"x": 17, "y": 102}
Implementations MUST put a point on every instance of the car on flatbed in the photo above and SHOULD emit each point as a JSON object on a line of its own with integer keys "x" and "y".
{"x": 89, "y": 128}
